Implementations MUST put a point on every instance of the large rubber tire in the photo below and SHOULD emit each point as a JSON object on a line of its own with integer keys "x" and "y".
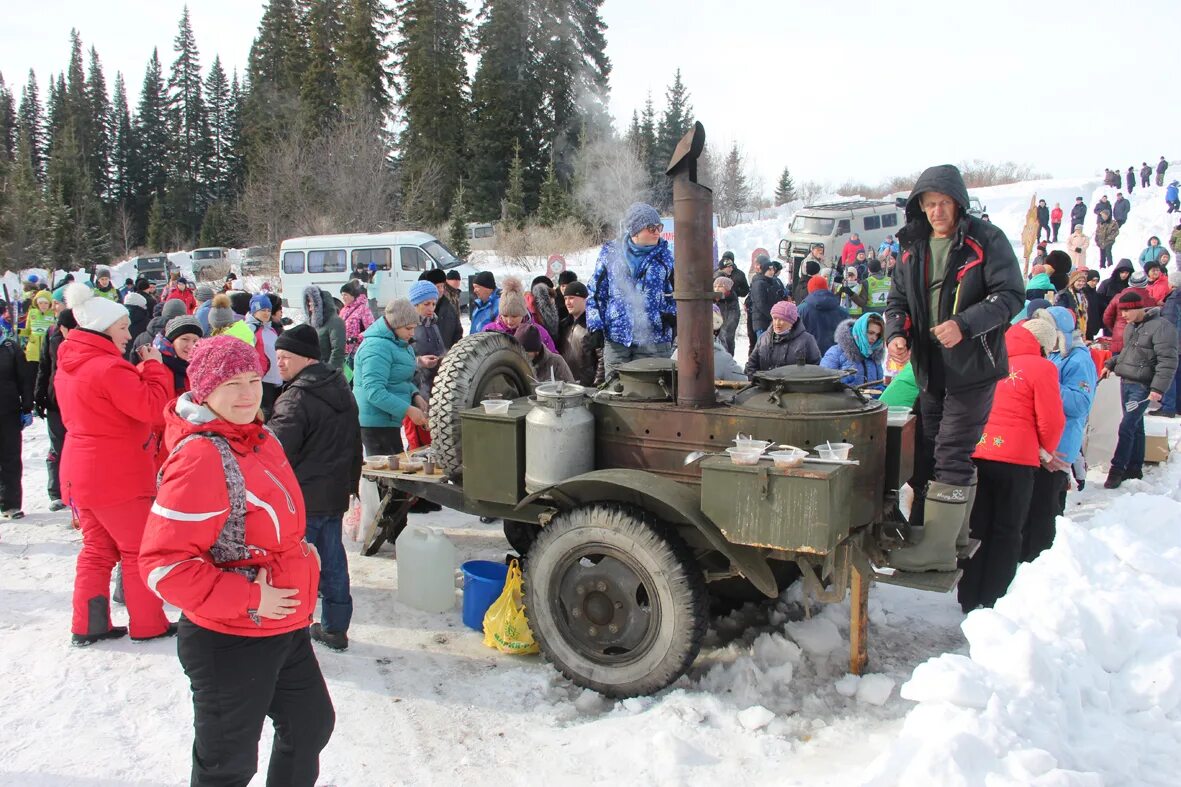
{"x": 616, "y": 603}
{"x": 521, "y": 535}
{"x": 476, "y": 367}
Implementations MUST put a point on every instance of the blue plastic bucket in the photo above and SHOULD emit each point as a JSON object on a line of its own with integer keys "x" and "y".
{"x": 483, "y": 582}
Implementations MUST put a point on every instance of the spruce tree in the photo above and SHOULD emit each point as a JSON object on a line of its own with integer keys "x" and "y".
{"x": 122, "y": 186}
{"x": 366, "y": 80}
{"x": 270, "y": 108}
{"x": 217, "y": 108}
{"x": 457, "y": 226}
{"x": 32, "y": 125}
{"x": 678, "y": 114}
{"x": 188, "y": 132}
{"x": 25, "y": 220}
{"x": 554, "y": 205}
{"x": 733, "y": 191}
{"x": 79, "y": 236}
{"x": 8, "y": 125}
{"x": 785, "y": 189}
{"x": 150, "y": 170}
{"x": 647, "y": 149}
{"x": 214, "y": 230}
{"x": 319, "y": 90}
{"x": 512, "y": 210}
{"x": 99, "y": 127}
{"x": 157, "y": 235}
{"x": 432, "y": 74}
{"x": 235, "y": 155}
{"x": 55, "y": 113}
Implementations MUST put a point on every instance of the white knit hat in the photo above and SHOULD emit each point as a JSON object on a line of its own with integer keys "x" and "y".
{"x": 93, "y": 314}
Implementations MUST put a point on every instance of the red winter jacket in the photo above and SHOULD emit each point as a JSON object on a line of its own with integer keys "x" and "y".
{"x": 1056, "y": 216}
{"x": 1115, "y": 323}
{"x": 1159, "y": 289}
{"x": 1026, "y": 408}
{"x": 108, "y": 407}
{"x": 185, "y": 295}
{"x": 849, "y": 252}
{"x": 192, "y": 559}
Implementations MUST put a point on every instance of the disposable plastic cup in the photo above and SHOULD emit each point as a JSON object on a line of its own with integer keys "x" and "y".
{"x": 496, "y": 406}
{"x": 744, "y": 456}
{"x": 788, "y": 458}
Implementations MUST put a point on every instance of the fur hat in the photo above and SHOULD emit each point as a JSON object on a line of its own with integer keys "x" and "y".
{"x": 179, "y": 326}
{"x": 101, "y": 271}
{"x": 512, "y": 298}
{"x": 529, "y": 337}
{"x": 216, "y": 360}
{"x": 173, "y": 307}
{"x": 422, "y": 291}
{"x": 135, "y": 299}
{"x": 260, "y": 302}
{"x": 816, "y": 283}
{"x": 93, "y": 313}
{"x": 203, "y": 293}
{"x": 400, "y": 313}
{"x": 220, "y": 313}
{"x": 485, "y": 279}
{"x": 434, "y": 276}
{"x": 1044, "y": 330}
{"x": 726, "y": 283}
{"x": 546, "y": 280}
{"x": 566, "y": 277}
{"x": 301, "y": 340}
{"x": 811, "y": 267}
{"x": 638, "y": 216}
{"x": 576, "y": 289}
{"x": 785, "y": 310}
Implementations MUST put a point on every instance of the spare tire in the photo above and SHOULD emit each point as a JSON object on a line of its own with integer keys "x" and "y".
{"x": 475, "y": 368}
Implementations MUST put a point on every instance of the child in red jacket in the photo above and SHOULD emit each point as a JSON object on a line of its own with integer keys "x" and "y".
{"x": 1023, "y": 429}
{"x": 225, "y": 543}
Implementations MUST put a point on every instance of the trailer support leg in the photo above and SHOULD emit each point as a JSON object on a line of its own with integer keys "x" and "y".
{"x": 858, "y": 619}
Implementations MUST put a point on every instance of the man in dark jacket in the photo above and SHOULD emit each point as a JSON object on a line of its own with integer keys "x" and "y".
{"x": 137, "y": 311}
{"x": 574, "y": 342}
{"x": 821, "y": 313}
{"x": 1161, "y": 166}
{"x": 1043, "y": 219}
{"x": 954, "y": 291}
{"x": 765, "y": 291}
{"x": 728, "y": 269}
{"x": 16, "y": 412}
{"x": 1145, "y": 365}
{"x": 1130, "y": 180}
{"x": 446, "y": 316}
{"x": 315, "y": 419}
{"x": 1145, "y": 175}
{"x": 1095, "y": 305}
{"x": 1078, "y": 213}
{"x": 45, "y": 404}
{"x": 1120, "y": 209}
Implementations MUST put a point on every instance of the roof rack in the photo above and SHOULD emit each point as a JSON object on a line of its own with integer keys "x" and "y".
{"x": 852, "y": 204}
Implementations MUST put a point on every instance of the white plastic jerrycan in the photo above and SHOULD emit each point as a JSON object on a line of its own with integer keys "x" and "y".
{"x": 426, "y": 569}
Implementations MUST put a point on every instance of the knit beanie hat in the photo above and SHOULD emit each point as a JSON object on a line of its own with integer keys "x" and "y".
{"x": 546, "y": 280}
{"x": 485, "y": 279}
{"x": 817, "y": 283}
{"x": 512, "y": 298}
{"x": 1129, "y": 300}
{"x": 179, "y": 326}
{"x": 1138, "y": 279}
{"x": 301, "y": 340}
{"x": 135, "y": 299}
{"x": 1034, "y": 304}
{"x": 564, "y": 278}
{"x": 216, "y": 360}
{"x": 811, "y": 267}
{"x": 399, "y": 313}
{"x": 422, "y": 291}
{"x": 785, "y": 310}
{"x": 453, "y": 275}
{"x": 203, "y": 293}
{"x": 67, "y": 320}
{"x": 102, "y": 271}
{"x": 727, "y": 256}
{"x": 142, "y": 284}
{"x": 434, "y": 276}
{"x": 529, "y": 337}
{"x": 93, "y": 314}
{"x": 173, "y": 308}
{"x": 220, "y": 313}
{"x": 724, "y": 282}
{"x": 576, "y": 289}
{"x": 260, "y": 302}
{"x": 1045, "y": 331}
{"x": 638, "y": 216}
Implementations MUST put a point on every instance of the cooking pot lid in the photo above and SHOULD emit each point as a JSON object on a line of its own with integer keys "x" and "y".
{"x": 800, "y": 374}
{"x": 560, "y": 390}
{"x": 648, "y": 366}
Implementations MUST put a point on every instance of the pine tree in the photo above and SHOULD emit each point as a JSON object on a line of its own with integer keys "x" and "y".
{"x": 319, "y": 90}
{"x": 99, "y": 127}
{"x": 122, "y": 152}
{"x": 55, "y": 112}
{"x": 235, "y": 155}
{"x": 76, "y": 111}
{"x": 457, "y": 227}
{"x": 432, "y": 73}
{"x": 8, "y": 124}
{"x": 214, "y": 227}
{"x": 647, "y": 148}
{"x": 554, "y": 205}
{"x": 678, "y": 114}
{"x": 733, "y": 196}
{"x": 785, "y": 189}
{"x": 217, "y": 107}
{"x": 157, "y": 237}
{"x": 512, "y": 210}
{"x": 270, "y": 108}
{"x": 366, "y": 81}
{"x": 78, "y": 233}
{"x": 32, "y": 125}
{"x": 188, "y": 131}
{"x": 24, "y": 220}
{"x": 150, "y": 170}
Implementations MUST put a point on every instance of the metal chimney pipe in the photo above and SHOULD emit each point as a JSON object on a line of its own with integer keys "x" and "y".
{"x": 693, "y": 280}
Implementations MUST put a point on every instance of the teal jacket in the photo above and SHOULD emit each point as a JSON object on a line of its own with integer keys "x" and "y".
{"x": 383, "y": 376}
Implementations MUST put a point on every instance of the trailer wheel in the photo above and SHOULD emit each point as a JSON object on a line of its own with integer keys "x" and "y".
{"x": 617, "y": 604}
{"x": 476, "y": 367}
{"x": 521, "y": 535}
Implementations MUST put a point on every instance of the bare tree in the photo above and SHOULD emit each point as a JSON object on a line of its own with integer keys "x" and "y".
{"x": 123, "y": 229}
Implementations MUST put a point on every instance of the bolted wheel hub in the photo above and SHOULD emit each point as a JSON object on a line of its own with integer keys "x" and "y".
{"x": 605, "y": 604}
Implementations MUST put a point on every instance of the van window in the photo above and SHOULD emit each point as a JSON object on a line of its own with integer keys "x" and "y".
{"x": 413, "y": 258}
{"x": 326, "y": 261}
{"x": 362, "y": 258}
{"x": 293, "y": 262}
{"x": 843, "y": 227}
{"x": 441, "y": 254}
{"x": 810, "y": 225}
{"x": 871, "y": 222}
{"x": 890, "y": 220}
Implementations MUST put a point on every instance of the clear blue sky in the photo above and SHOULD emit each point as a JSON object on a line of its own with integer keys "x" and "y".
{"x": 834, "y": 90}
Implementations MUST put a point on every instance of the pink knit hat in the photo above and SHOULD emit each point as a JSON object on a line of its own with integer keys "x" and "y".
{"x": 218, "y": 359}
{"x": 786, "y": 310}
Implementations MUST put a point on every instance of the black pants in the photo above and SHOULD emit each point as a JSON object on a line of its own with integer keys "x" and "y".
{"x": 53, "y": 460}
{"x": 1046, "y": 504}
{"x": 952, "y": 425}
{"x": 11, "y": 493}
{"x": 1174, "y": 206}
{"x": 1144, "y": 181}
{"x": 1104, "y": 256}
{"x": 381, "y": 440}
{"x": 1002, "y": 501}
{"x": 1056, "y": 225}
{"x": 236, "y": 683}
{"x": 1045, "y": 227}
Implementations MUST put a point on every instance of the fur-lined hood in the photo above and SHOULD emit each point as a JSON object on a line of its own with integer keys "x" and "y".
{"x": 844, "y": 339}
{"x": 323, "y": 307}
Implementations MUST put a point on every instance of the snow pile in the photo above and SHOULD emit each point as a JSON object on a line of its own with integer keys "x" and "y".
{"x": 1075, "y": 676}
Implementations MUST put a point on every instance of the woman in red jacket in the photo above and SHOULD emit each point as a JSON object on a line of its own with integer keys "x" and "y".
{"x": 108, "y": 407}
{"x": 225, "y": 543}
{"x": 184, "y": 294}
{"x": 1023, "y": 430}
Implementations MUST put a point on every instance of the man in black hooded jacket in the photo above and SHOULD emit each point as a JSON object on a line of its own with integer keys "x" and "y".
{"x": 953, "y": 293}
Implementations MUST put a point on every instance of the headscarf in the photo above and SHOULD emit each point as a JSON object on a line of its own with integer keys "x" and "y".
{"x": 861, "y": 335}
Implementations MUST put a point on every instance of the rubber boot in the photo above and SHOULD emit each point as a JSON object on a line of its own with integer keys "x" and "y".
{"x": 945, "y": 513}
{"x": 961, "y": 541}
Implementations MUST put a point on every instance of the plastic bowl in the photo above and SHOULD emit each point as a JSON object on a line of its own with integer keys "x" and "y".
{"x": 744, "y": 456}
{"x": 834, "y": 450}
{"x": 377, "y": 462}
{"x": 496, "y": 406}
{"x": 897, "y": 413}
{"x": 788, "y": 458}
{"x": 745, "y": 444}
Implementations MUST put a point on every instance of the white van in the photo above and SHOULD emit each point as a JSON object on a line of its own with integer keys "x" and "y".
{"x": 329, "y": 261}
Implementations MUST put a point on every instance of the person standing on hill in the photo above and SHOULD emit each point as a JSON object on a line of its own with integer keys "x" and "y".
{"x": 1076, "y": 246}
{"x": 1145, "y": 175}
{"x": 727, "y": 303}
{"x": 1120, "y": 209}
{"x": 1171, "y": 198}
{"x": 1106, "y": 231}
{"x": 1130, "y": 180}
{"x": 45, "y": 404}
{"x": 1161, "y": 167}
{"x": 1110, "y": 289}
{"x": 1078, "y": 213}
{"x": 1043, "y": 219}
{"x": 1056, "y": 220}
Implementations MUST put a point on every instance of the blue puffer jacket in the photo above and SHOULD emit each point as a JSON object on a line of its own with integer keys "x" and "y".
{"x": 1077, "y": 379}
{"x": 484, "y": 312}
{"x": 616, "y": 297}
{"x": 821, "y": 313}
{"x": 846, "y": 355}
{"x": 383, "y": 376}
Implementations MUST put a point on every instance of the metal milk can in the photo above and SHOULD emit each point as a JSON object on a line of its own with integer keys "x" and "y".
{"x": 559, "y": 435}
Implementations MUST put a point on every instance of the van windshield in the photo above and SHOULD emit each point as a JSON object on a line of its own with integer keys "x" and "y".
{"x": 811, "y": 225}
{"x": 441, "y": 254}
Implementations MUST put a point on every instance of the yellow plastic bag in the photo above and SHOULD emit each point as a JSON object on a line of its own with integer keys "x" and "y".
{"x": 505, "y": 626}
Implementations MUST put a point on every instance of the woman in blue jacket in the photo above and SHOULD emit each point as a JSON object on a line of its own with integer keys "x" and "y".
{"x": 859, "y": 347}
{"x": 1152, "y": 252}
{"x": 1077, "y": 379}
{"x": 383, "y": 379}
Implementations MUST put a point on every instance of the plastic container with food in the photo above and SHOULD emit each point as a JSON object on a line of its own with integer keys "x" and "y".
{"x": 377, "y": 462}
{"x": 744, "y": 456}
{"x": 748, "y": 444}
{"x": 897, "y": 414}
{"x": 834, "y": 450}
{"x": 788, "y": 458}
{"x": 496, "y": 406}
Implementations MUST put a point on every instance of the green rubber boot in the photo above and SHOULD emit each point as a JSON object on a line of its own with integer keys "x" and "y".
{"x": 961, "y": 540}
{"x": 945, "y": 514}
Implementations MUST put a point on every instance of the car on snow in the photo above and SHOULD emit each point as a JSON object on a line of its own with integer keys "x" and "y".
{"x": 833, "y": 223}
{"x": 154, "y": 267}
{"x": 210, "y": 263}
{"x": 257, "y": 259}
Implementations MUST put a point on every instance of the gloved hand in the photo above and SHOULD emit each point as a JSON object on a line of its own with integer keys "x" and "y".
{"x": 846, "y": 291}
{"x": 26, "y": 419}
{"x": 595, "y": 339}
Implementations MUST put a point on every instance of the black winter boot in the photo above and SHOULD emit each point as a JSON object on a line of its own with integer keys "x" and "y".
{"x": 1114, "y": 479}
{"x": 82, "y": 640}
{"x": 334, "y": 640}
{"x": 168, "y": 632}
